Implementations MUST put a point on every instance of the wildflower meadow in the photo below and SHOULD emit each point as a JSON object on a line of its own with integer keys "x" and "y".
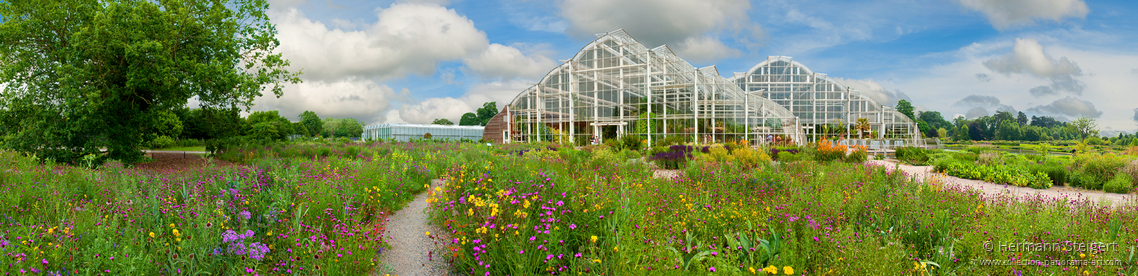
{"x": 320, "y": 209}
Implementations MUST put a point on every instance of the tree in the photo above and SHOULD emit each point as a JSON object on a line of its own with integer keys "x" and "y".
{"x": 942, "y": 133}
{"x": 329, "y": 127}
{"x": 974, "y": 131}
{"x": 311, "y": 122}
{"x": 442, "y": 121}
{"x": 167, "y": 124}
{"x": 961, "y": 133}
{"x": 487, "y": 112}
{"x": 349, "y": 128}
{"x": 862, "y": 126}
{"x": 934, "y": 119}
{"x": 259, "y": 121}
{"x": 469, "y": 119}
{"x": 906, "y": 108}
{"x": 85, "y": 75}
{"x": 1008, "y": 130}
{"x": 1021, "y": 119}
{"x": 1045, "y": 122}
{"x": 1085, "y": 126}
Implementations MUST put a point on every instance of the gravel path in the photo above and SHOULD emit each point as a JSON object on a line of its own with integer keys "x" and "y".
{"x": 1021, "y": 193}
{"x": 410, "y": 248}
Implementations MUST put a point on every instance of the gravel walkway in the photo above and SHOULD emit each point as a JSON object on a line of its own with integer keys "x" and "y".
{"x": 410, "y": 248}
{"x": 1021, "y": 193}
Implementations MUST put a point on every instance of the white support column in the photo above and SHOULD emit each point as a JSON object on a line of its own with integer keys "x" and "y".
{"x": 648, "y": 85}
{"x": 695, "y": 109}
{"x": 572, "y": 107}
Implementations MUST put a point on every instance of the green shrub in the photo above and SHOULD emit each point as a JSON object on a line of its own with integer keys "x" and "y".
{"x": 977, "y": 149}
{"x": 629, "y": 142}
{"x": 787, "y": 157}
{"x": 1132, "y": 170}
{"x": 912, "y": 155}
{"x": 857, "y": 156}
{"x": 1053, "y": 169}
{"x": 1120, "y": 184}
{"x": 1100, "y": 168}
{"x": 162, "y": 142}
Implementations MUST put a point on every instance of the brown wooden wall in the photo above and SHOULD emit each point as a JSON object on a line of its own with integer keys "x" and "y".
{"x": 493, "y": 131}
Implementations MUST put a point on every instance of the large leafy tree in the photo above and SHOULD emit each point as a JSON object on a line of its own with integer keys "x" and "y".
{"x": 487, "y": 112}
{"x": 83, "y": 75}
{"x": 468, "y": 119}
{"x": 311, "y": 122}
{"x": 1085, "y": 126}
{"x": 906, "y": 108}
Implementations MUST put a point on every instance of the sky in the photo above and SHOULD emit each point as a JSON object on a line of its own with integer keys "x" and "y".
{"x": 412, "y": 61}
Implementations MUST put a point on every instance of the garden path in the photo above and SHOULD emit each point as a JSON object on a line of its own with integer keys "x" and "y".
{"x": 1020, "y": 193}
{"x": 410, "y": 249}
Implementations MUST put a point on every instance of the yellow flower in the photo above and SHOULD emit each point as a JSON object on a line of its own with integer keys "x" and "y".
{"x": 597, "y": 261}
{"x": 49, "y": 230}
{"x": 1081, "y": 255}
{"x": 593, "y": 239}
{"x": 176, "y": 233}
{"x": 787, "y": 270}
{"x": 752, "y": 269}
{"x": 614, "y": 249}
{"x": 151, "y": 235}
{"x": 171, "y": 225}
{"x": 771, "y": 270}
{"x": 428, "y": 233}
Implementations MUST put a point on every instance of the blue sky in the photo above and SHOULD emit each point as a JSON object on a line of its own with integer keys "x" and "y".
{"x": 414, "y": 61}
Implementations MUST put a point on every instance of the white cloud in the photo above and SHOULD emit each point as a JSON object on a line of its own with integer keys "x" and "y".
{"x": 704, "y": 49}
{"x": 1027, "y": 57}
{"x": 683, "y": 24}
{"x": 426, "y": 111}
{"x": 1070, "y": 107}
{"x": 1004, "y": 14}
{"x": 505, "y": 62}
{"x": 406, "y": 38}
{"x": 361, "y": 99}
{"x": 440, "y": 2}
{"x": 874, "y": 90}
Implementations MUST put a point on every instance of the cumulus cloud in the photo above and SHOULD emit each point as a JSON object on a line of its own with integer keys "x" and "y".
{"x": 1135, "y": 115}
{"x": 1068, "y": 106}
{"x": 984, "y": 77}
{"x": 406, "y": 38}
{"x": 500, "y": 61}
{"x": 682, "y": 24}
{"x": 423, "y": 112}
{"x": 1008, "y": 13}
{"x": 1028, "y": 58}
{"x": 875, "y": 91}
{"x": 704, "y": 48}
{"x": 360, "y": 99}
{"x": 1043, "y": 90}
{"x": 981, "y": 104}
{"x": 976, "y": 112}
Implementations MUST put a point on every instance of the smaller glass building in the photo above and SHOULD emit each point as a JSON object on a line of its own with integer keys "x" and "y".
{"x": 405, "y": 132}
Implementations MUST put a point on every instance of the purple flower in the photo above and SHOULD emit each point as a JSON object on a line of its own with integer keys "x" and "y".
{"x": 246, "y": 215}
{"x": 572, "y": 226}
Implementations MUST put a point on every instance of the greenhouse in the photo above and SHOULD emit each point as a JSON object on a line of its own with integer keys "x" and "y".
{"x": 616, "y": 86}
{"x": 825, "y": 107}
{"x": 406, "y": 132}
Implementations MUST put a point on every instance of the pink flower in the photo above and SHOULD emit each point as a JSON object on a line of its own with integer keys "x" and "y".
{"x": 572, "y": 226}
{"x": 712, "y": 269}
